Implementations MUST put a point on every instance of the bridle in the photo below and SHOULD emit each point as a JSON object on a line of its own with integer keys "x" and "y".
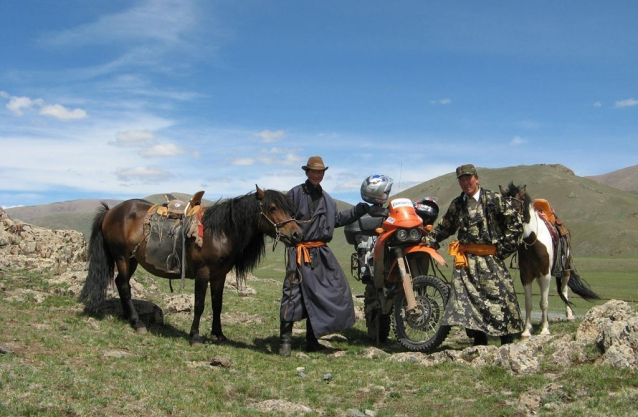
{"x": 277, "y": 226}
{"x": 518, "y": 206}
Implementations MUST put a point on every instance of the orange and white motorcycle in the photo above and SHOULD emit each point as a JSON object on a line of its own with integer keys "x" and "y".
{"x": 402, "y": 285}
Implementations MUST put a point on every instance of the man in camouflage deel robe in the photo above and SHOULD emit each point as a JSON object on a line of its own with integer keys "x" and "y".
{"x": 482, "y": 298}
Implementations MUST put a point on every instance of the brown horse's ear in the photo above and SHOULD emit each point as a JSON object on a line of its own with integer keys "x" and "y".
{"x": 259, "y": 193}
{"x": 501, "y": 189}
{"x": 524, "y": 189}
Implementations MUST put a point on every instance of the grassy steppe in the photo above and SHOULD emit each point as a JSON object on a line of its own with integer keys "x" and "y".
{"x": 63, "y": 363}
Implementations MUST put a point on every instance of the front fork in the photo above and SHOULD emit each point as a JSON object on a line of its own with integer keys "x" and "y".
{"x": 406, "y": 279}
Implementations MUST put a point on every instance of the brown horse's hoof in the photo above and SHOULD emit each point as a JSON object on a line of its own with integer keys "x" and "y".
{"x": 197, "y": 340}
{"x": 219, "y": 338}
{"x": 140, "y": 330}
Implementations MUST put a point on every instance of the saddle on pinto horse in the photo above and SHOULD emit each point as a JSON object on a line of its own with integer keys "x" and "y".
{"x": 560, "y": 236}
{"x": 166, "y": 227}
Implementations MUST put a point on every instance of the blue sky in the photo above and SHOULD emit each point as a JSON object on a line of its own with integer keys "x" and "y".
{"x": 122, "y": 99}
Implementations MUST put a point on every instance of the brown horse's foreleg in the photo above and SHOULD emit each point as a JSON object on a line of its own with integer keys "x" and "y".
{"x": 201, "y": 284}
{"x": 217, "y": 296}
{"x": 122, "y": 281}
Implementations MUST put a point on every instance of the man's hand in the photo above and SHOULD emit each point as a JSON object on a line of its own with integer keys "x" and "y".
{"x": 361, "y": 209}
{"x": 378, "y": 211}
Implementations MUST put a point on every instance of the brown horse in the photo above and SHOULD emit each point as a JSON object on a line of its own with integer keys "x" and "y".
{"x": 233, "y": 236}
{"x": 536, "y": 261}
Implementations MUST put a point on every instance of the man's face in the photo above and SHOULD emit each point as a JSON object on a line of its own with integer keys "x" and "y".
{"x": 469, "y": 184}
{"x": 315, "y": 176}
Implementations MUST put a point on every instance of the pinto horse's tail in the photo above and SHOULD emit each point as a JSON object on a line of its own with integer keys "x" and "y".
{"x": 101, "y": 266}
{"x": 578, "y": 286}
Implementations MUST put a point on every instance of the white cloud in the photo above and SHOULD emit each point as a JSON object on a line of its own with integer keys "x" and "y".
{"x": 133, "y": 139}
{"x": 18, "y": 104}
{"x": 164, "y": 149}
{"x": 630, "y": 102}
{"x": 268, "y": 136}
{"x": 4, "y": 94}
{"x": 598, "y": 104}
{"x": 160, "y": 20}
{"x": 442, "y": 101}
{"x": 144, "y": 174}
{"x": 278, "y": 156}
{"x": 517, "y": 140}
{"x": 60, "y": 112}
{"x": 243, "y": 161}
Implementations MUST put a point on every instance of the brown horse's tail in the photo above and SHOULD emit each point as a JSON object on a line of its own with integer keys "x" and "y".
{"x": 101, "y": 266}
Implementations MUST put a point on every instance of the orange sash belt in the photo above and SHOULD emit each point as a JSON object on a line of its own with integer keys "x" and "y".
{"x": 302, "y": 250}
{"x": 459, "y": 249}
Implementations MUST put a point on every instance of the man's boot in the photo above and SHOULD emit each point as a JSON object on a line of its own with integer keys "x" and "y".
{"x": 480, "y": 338}
{"x": 506, "y": 339}
{"x": 312, "y": 344}
{"x": 285, "y": 338}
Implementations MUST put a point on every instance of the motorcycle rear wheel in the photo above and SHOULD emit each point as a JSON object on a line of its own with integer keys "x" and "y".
{"x": 422, "y": 332}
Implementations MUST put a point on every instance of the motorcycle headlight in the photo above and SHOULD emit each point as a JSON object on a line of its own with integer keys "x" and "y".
{"x": 402, "y": 234}
{"x": 415, "y": 234}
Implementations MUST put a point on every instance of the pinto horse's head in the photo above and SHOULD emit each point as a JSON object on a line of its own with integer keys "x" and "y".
{"x": 518, "y": 198}
{"x": 276, "y": 217}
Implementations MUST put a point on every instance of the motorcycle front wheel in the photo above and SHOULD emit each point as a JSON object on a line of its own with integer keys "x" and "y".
{"x": 422, "y": 331}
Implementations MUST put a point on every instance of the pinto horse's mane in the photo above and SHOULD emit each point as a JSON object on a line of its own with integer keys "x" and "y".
{"x": 520, "y": 193}
{"x": 238, "y": 219}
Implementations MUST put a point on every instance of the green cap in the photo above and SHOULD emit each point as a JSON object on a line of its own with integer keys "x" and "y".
{"x": 467, "y": 169}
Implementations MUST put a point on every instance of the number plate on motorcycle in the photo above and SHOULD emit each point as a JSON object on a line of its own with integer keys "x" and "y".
{"x": 401, "y": 202}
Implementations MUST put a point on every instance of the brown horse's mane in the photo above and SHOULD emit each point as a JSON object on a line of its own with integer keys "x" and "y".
{"x": 238, "y": 219}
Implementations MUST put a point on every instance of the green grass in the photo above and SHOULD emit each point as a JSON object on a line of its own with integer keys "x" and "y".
{"x": 65, "y": 363}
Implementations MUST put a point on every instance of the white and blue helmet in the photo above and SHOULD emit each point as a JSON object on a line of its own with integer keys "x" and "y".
{"x": 376, "y": 189}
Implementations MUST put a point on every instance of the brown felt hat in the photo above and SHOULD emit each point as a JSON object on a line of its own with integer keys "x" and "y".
{"x": 467, "y": 169}
{"x": 314, "y": 163}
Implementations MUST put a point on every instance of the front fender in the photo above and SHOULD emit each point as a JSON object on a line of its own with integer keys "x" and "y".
{"x": 431, "y": 251}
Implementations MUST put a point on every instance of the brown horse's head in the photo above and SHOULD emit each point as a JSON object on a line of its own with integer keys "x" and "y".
{"x": 276, "y": 217}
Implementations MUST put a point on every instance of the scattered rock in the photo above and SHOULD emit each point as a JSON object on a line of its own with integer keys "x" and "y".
{"x": 280, "y": 406}
{"x": 221, "y": 362}
{"x": 118, "y": 354}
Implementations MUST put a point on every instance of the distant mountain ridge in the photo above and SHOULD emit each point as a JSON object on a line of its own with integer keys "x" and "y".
{"x": 602, "y": 217}
{"x": 625, "y": 179}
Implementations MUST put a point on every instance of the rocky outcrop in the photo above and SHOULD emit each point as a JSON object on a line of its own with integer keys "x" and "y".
{"x": 27, "y": 247}
{"x": 611, "y": 328}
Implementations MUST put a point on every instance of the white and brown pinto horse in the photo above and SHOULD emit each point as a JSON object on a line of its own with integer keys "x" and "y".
{"x": 536, "y": 261}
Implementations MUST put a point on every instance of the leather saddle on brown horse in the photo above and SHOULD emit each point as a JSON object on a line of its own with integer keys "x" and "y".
{"x": 166, "y": 227}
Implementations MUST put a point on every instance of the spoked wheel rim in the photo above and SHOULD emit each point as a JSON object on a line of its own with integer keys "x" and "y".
{"x": 422, "y": 331}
